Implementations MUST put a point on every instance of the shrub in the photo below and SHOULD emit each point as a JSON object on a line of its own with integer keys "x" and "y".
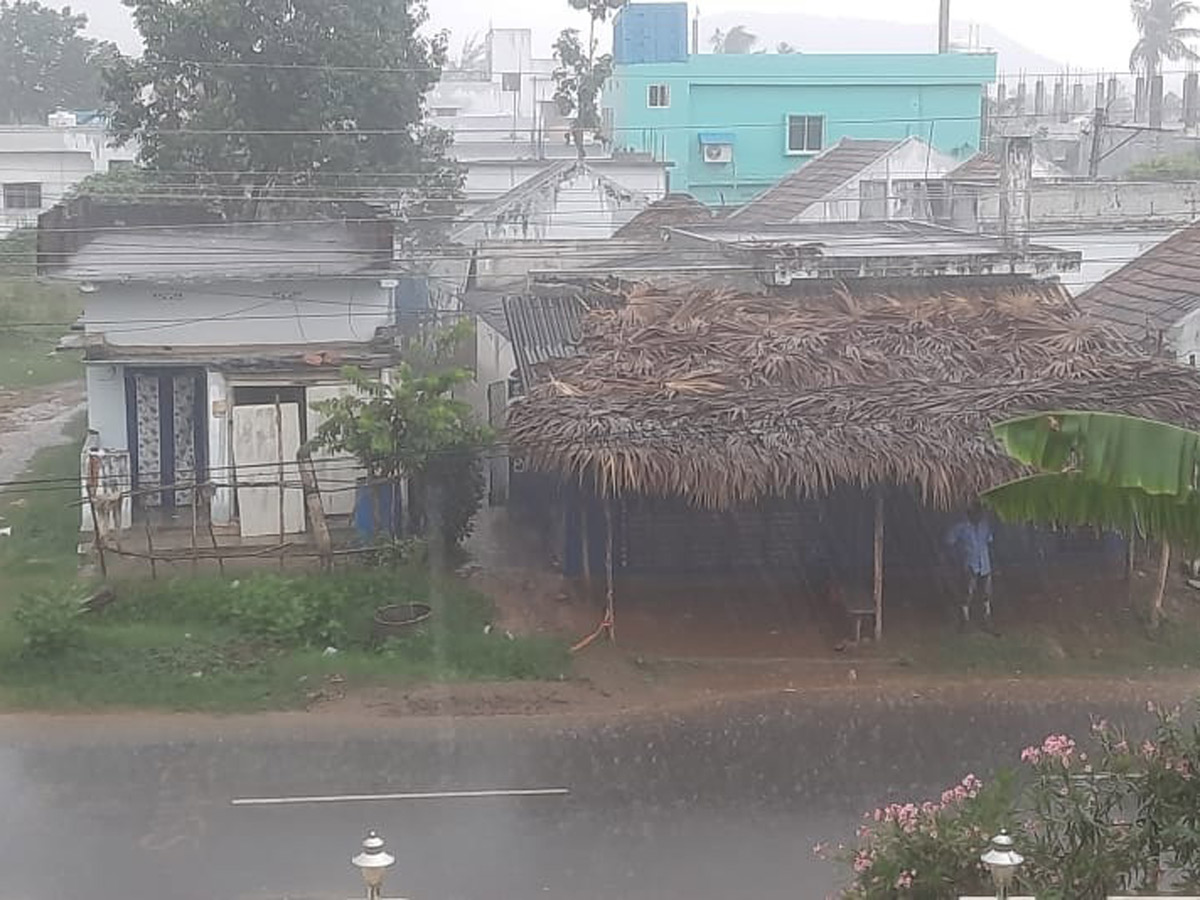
{"x": 927, "y": 851}
{"x": 50, "y": 623}
{"x": 1124, "y": 818}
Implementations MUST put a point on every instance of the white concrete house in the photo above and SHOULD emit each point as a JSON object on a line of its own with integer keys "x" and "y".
{"x": 506, "y": 109}
{"x": 39, "y": 164}
{"x": 206, "y": 342}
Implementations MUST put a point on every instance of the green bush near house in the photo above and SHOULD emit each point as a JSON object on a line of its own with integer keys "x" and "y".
{"x": 261, "y": 641}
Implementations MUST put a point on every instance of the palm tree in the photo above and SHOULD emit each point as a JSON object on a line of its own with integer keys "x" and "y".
{"x": 737, "y": 39}
{"x": 1163, "y": 36}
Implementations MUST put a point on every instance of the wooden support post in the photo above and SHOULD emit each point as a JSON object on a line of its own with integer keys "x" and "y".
{"x": 97, "y": 537}
{"x": 585, "y": 540}
{"x": 609, "y": 611}
{"x": 1164, "y": 567}
{"x": 317, "y": 524}
{"x": 279, "y": 456}
{"x": 878, "y": 586}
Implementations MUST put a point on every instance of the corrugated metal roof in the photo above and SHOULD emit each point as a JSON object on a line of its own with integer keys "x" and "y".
{"x": 543, "y": 328}
{"x": 813, "y": 181}
{"x": 1154, "y": 291}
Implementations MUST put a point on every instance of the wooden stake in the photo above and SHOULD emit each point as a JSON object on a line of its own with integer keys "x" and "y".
{"x": 209, "y": 490}
{"x": 149, "y": 546}
{"x": 195, "y": 548}
{"x": 1164, "y": 567}
{"x": 878, "y": 586}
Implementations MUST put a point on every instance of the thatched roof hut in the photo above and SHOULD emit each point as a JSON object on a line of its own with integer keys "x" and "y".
{"x": 726, "y": 399}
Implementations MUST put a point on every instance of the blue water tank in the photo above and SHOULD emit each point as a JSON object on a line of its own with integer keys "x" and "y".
{"x": 651, "y": 33}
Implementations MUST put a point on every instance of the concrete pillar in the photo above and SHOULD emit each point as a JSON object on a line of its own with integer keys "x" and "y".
{"x": 944, "y": 27}
{"x": 1016, "y": 176}
{"x": 1191, "y": 83}
{"x": 1156, "y": 101}
{"x": 1139, "y": 100}
{"x": 1060, "y": 108}
{"x": 1022, "y": 104}
{"x": 1039, "y": 98}
{"x": 1001, "y": 93}
{"x": 1114, "y": 91}
{"x": 1077, "y": 101}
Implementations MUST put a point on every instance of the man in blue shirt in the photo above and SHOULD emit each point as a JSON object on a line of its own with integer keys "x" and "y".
{"x": 972, "y": 539}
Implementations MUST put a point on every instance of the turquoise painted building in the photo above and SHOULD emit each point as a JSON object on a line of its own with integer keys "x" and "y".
{"x": 733, "y": 125}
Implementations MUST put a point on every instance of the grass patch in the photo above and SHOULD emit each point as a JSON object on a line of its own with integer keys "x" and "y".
{"x": 33, "y": 316}
{"x": 1042, "y": 652}
{"x": 41, "y": 551}
{"x": 204, "y": 644}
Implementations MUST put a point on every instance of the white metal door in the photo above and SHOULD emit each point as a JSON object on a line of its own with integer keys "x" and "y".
{"x": 262, "y": 436}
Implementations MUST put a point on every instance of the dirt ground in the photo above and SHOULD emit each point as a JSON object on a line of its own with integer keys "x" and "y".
{"x": 33, "y": 418}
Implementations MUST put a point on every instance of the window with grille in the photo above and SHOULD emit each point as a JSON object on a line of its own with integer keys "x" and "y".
{"x": 658, "y": 96}
{"x": 805, "y": 134}
{"x": 23, "y": 195}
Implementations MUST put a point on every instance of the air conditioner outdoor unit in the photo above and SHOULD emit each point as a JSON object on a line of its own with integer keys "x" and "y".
{"x": 718, "y": 153}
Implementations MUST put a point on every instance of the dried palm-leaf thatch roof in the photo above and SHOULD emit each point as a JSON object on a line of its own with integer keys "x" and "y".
{"x": 723, "y": 399}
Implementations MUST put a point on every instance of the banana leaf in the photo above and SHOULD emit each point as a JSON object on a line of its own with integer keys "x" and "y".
{"x": 1111, "y": 450}
{"x": 1068, "y": 500}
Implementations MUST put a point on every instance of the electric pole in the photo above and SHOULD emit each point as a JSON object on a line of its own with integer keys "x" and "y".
{"x": 944, "y": 27}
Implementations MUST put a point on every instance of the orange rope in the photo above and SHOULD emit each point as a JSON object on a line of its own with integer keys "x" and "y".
{"x": 607, "y": 624}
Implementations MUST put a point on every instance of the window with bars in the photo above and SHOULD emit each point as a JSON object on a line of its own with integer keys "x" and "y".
{"x": 658, "y": 96}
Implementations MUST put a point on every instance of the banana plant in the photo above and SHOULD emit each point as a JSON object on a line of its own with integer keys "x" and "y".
{"x": 1124, "y": 473}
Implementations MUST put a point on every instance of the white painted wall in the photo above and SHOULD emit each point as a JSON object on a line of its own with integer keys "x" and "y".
{"x": 236, "y": 312}
{"x": 913, "y": 160}
{"x": 1071, "y": 204}
{"x": 1103, "y": 251}
{"x": 220, "y": 446}
{"x": 106, "y": 405}
{"x": 487, "y": 180}
{"x": 57, "y": 158}
{"x": 494, "y": 361}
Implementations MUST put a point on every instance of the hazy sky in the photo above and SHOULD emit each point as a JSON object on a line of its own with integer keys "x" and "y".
{"x": 1092, "y": 34}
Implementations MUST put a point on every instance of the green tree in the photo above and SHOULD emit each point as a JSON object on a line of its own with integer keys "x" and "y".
{"x": 287, "y": 99}
{"x": 580, "y": 74}
{"x": 1162, "y": 34}
{"x": 738, "y": 39}
{"x": 412, "y": 427}
{"x": 47, "y": 63}
{"x": 1133, "y": 475}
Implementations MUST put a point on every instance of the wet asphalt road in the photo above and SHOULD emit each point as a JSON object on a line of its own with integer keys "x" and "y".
{"x": 724, "y": 802}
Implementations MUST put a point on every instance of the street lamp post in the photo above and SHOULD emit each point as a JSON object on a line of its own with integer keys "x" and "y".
{"x": 373, "y": 861}
{"x": 1002, "y": 860}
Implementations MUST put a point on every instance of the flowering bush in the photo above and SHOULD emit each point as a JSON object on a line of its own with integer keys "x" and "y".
{"x": 1125, "y": 817}
{"x": 930, "y": 850}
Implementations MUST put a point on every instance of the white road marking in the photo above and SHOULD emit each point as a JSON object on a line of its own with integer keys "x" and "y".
{"x": 411, "y": 795}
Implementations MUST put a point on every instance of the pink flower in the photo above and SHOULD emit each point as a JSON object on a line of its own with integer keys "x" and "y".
{"x": 1121, "y": 746}
{"x": 1148, "y": 750}
{"x": 1100, "y": 726}
{"x": 906, "y": 879}
{"x": 863, "y": 862}
{"x": 1060, "y": 747}
{"x": 1031, "y": 755}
